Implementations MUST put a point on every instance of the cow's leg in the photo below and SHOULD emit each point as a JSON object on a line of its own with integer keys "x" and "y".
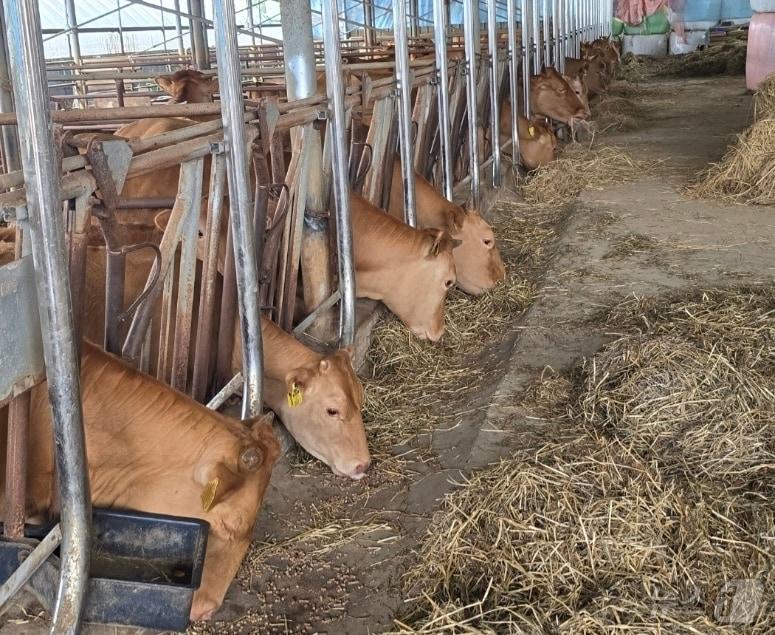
{"x": 222, "y": 561}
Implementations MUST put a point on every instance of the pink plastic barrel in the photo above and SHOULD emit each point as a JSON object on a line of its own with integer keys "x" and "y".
{"x": 760, "y": 62}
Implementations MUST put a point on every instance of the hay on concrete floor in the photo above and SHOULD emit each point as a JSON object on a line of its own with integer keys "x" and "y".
{"x": 764, "y": 99}
{"x": 585, "y": 537}
{"x": 723, "y": 59}
{"x": 615, "y": 112}
{"x": 746, "y": 173}
{"x": 631, "y": 69}
{"x": 692, "y": 408}
{"x": 578, "y": 168}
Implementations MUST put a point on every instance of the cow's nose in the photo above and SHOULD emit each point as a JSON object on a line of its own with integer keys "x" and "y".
{"x": 361, "y": 469}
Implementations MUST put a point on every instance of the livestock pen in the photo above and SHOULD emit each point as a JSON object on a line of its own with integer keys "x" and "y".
{"x": 458, "y": 258}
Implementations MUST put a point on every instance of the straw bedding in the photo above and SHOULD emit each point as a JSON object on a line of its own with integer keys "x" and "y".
{"x": 725, "y": 59}
{"x": 580, "y": 168}
{"x": 652, "y": 517}
{"x": 764, "y": 99}
{"x": 746, "y": 173}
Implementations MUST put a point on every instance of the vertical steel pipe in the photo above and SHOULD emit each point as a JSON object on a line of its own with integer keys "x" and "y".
{"x": 300, "y": 83}
{"x": 442, "y": 94}
{"x": 200, "y": 51}
{"x": 511, "y": 19}
{"x": 536, "y": 35}
{"x": 404, "y": 87}
{"x": 344, "y": 241}
{"x": 546, "y": 33}
{"x": 16, "y": 466}
{"x": 471, "y": 37}
{"x": 72, "y": 31}
{"x": 526, "y": 52}
{"x": 492, "y": 39}
{"x": 556, "y": 42}
{"x": 368, "y": 20}
{"x": 10, "y": 139}
{"x": 179, "y": 29}
{"x": 41, "y": 176}
{"x": 232, "y": 112}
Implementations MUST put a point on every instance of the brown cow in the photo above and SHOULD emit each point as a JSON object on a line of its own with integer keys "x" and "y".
{"x": 478, "y": 262}
{"x": 596, "y": 72}
{"x": 189, "y": 86}
{"x": 537, "y": 141}
{"x": 552, "y": 96}
{"x": 155, "y": 450}
{"x": 327, "y": 424}
{"x": 409, "y": 270}
{"x": 578, "y": 83}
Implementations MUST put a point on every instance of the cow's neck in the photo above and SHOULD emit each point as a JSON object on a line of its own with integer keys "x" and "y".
{"x": 282, "y": 352}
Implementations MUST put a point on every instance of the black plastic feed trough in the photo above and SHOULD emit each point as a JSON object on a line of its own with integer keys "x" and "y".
{"x": 144, "y": 568}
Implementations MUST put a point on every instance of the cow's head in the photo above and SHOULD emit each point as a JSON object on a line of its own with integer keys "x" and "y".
{"x": 417, "y": 298}
{"x": 552, "y": 96}
{"x": 189, "y": 86}
{"x": 597, "y": 74}
{"x": 537, "y": 143}
{"x": 578, "y": 84}
{"x": 322, "y": 411}
{"x": 230, "y": 478}
{"x": 478, "y": 263}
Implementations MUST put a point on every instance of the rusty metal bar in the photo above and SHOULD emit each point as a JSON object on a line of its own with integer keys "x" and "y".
{"x": 16, "y": 466}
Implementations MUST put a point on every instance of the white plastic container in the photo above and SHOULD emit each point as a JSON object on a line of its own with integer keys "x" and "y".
{"x": 763, "y": 6}
{"x": 652, "y": 45}
{"x": 694, "y": 40}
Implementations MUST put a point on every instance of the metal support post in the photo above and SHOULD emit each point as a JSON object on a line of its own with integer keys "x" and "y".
{"x": 251, "y": 22}
{"x": 335, "y": 90}
{"x": 524, "y": 22}
{"x": 492, "y": 39}
{"x": 233, "y": 112}
{"x": 72, "y": 34}
{"x": 442, "y": 93}
{"x": 368, "y": 20}
{"x": 301, "y": 82}
{"x": 511, "y": 18}
{"x": 547, "y": 34}
{"x": 404, "y": 87}
{"x": 10, "y": 139}
{"x": 471, "y": 37}
{"x": 41, "y": 175}
{"x": 198, "y": 28}
{"x": 179, "y": 29}
{"x": 536, "y": 34}
{"x": 559, "y": 60}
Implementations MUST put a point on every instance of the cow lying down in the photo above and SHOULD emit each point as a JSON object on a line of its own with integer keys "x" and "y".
{"x": 153, "y": 449}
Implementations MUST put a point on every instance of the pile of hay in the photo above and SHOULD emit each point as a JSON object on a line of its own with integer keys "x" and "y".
{"x": 631, "y": 69}
{"x": 692, "y": 408}
{"x": 579, "y": 168}
{"x": 764, "y": 100}
{"x": 746, "y": 173}
{"x": 655, "y": 516}
{"x": 586, "y": 537}
{"x": 725, "y": 59}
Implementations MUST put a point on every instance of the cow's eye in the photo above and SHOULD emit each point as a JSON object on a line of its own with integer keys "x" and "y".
{"x": 487, "y": 242}
{"x": 332, "y": 412}
{"x": 449, "y": 283}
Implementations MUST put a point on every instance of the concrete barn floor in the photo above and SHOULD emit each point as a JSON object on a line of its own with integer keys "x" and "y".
{"x": 336, "y": 550}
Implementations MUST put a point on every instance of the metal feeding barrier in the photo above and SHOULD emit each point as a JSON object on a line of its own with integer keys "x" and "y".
{"x": 425, "y": 81}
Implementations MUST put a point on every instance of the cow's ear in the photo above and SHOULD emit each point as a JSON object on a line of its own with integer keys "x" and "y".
{"x": 435, "y": 240}
{"x": 296, "y": 381}
{"x": 218, "y": 481}
{"x": 164, "y": 82}
{"x": 457, "y": 218}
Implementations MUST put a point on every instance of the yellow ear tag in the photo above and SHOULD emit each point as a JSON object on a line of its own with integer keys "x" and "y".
{"x": 294, "y": 396}
{"x": 208, "y": 494}
{"x": 531, "y": 131}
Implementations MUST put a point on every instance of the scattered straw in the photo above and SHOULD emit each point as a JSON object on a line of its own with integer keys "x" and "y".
{"x": 694, "y": 409}
{"x": 584, "y": 537}
{"x": 746, "y": 173}
{"x": 764, "y": 99}
{"x": 579, "y": 168}
{"x": 615, "y": 112}
{"x": 631, "y": 69}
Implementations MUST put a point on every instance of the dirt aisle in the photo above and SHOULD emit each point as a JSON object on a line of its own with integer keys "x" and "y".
{"x": 330, "y": 554}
